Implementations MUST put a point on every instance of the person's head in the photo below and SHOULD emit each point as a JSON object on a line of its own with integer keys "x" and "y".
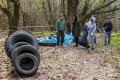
{"x": 69, "y": 20}
{"x": 86, "y": 24}
{"x": 92, "y": 16}
{"x": 87, "y": 20}
{"x": 108, "y": 19}
{"x": 75, "y": 17}
{"x": 92, "y": 21}
{"x": 61, "y": 16}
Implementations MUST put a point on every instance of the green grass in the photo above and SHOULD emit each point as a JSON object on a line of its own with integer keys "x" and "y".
{"x": 44, "y": 33}
{"x": 115, "y": 42}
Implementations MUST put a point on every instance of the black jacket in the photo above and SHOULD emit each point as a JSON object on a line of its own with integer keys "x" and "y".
{"x": 68, "y": 25}
{"x": 76, "y": 29}
{"x": 109, "y": 26}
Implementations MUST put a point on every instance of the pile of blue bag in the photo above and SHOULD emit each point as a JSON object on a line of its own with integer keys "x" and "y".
{"x": 52, "y": 38}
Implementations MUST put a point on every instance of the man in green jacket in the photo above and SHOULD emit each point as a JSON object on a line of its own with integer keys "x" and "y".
{"x": 60, "y": 28}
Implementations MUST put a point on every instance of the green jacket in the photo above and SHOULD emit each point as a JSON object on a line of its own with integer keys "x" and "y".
{"x": 60, "y": 25}
{"x": 76, "y": 29}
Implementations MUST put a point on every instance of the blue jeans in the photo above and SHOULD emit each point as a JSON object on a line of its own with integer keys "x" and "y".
{"x": 107, "y": 35}
{"x": 95, "y": 39}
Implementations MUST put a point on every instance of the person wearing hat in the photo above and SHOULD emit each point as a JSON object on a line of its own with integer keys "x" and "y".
{"x": 60, "y": 28}
{"x": 107, "y": 30}
{"x": 94, "y": 19}
{"x": 91, "y": 33}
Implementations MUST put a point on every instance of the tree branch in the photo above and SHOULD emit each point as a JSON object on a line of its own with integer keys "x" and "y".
{"x": 91, "y": 13}
{"x": 13, "y": 1}
{"x": 85, "y": 8}
{"x": 91, "y": 4}
{"x": 105, "y": 11}
{"x": 103, "y": 6}
{"x": 5, "y": 10}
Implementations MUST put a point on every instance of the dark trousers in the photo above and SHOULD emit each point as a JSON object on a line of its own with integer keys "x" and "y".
{"x": 77, "y": 40}
{"x": 60, "y": 33}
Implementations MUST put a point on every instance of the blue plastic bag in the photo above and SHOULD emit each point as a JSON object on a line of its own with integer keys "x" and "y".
{"x": 67, "y": 42}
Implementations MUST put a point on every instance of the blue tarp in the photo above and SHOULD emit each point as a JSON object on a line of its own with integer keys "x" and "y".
{"x": 68, "y": 39}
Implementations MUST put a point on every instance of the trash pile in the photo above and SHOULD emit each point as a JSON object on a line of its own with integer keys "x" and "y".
{"x": 53, "y": 38}
{"x": 22, "y": 49}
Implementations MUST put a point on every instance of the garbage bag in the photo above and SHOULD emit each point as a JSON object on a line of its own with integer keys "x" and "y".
{"x": 47, "y": 40}
{"x": 70, "y": 39}
{"x": 67, "y": 42}
{"x": 41, "y": 40}
{"x": 52, "y": 35}
{"x": 83, "y": 39}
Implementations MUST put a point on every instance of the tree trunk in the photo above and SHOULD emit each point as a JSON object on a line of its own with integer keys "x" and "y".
{"x": 72, "y": 7}
{"x": 25, "y": 19}
{"x": 13, "y": 20}
{"x": 9, "y": 7}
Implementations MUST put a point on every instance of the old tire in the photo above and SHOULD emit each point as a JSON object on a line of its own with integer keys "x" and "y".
{"x": 18, "y": 45}
{"x": 6, "y": 48}
{"x": 49, "y": 44}
{"x": 20, "y": 37}
{"x": 27, "y": 31}
{"x": 25, "y": 49}
{"x": 25, "y": 60}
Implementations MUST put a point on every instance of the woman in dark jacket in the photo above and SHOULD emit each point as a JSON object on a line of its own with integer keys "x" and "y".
{"x": 76, "y": 29}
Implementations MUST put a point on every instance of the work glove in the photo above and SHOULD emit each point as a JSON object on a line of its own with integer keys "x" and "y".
{"x": 105, "y": 28}
{"x": 92, "y": 33}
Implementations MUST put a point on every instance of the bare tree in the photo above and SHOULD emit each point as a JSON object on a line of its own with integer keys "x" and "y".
{"x": 13, "y": 15}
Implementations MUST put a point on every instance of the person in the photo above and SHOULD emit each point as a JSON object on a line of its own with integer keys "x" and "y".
{"x": 86, "y": 27}
{"x": 87, "y": 22}
{"x": 60, "y": 28}
{"x": 107, "y": 30}
{"x": 68, "y": 25}
{"x": 76, "y": 29}
{"x": 94, "y": 19}
{"x": 91, "y": 33}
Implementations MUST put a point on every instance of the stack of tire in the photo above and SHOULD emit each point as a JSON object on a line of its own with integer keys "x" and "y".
{"x": 22, "y": 48}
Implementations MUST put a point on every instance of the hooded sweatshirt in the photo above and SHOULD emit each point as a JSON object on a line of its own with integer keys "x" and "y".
{"x": 60, "y": 25}
{"x": 92, "y": 28}
{"x": 94, "y": 19}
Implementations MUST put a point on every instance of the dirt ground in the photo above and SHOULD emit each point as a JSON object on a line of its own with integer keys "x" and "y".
{"x": 66, "y": 63}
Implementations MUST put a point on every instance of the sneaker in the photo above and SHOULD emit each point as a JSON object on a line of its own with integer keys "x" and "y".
{"x": 105, "y": 44}
{"x": 88, "y": 47}
{"x": 76, "y": 45}
{"x": 108, "y": 43}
